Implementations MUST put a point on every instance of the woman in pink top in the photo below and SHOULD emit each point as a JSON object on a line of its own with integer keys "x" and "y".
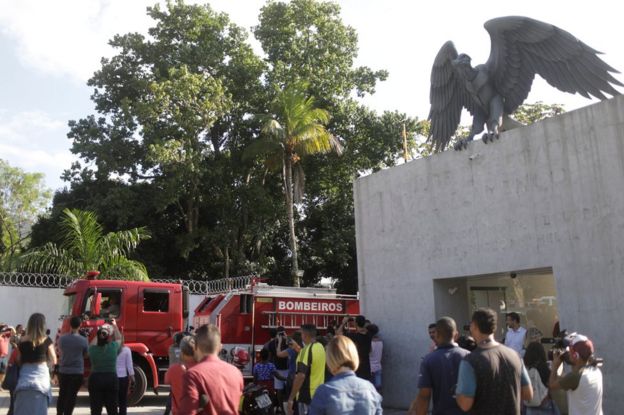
{"x": 175, "y": 375}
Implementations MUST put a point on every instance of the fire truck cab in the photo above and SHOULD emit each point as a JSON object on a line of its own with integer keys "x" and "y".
{"x": 246, "y": 310}
{"x": 147, "y": 313}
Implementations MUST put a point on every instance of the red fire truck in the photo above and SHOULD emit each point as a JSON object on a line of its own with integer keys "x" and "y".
{"x": 147, "y": 313}
{"x": 150, "y": 313}
{"x": 245, "y": 313}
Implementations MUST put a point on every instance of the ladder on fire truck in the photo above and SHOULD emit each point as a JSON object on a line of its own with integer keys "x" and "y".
{"x": 289, "y": 320}
{"x": 273, "y": 319}
{"x": 295, "y": 319}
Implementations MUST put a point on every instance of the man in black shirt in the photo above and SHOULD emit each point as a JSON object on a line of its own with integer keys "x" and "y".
{"x": 362, "y": 339}
{"x": 277, "y": 344}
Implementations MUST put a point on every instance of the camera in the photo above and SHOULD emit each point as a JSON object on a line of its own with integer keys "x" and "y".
{"x": 559, "y": 347}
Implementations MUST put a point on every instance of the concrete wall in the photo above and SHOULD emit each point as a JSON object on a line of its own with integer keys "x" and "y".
{"x": 546, "y": 195}
{"x": 18, "y": 303}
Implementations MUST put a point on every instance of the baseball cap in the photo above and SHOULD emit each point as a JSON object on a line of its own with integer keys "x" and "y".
{"x": 581, "y": 344}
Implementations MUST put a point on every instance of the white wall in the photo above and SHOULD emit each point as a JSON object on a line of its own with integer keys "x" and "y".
{"x": 546, "y": 195}
{"x": 18, "y": 303}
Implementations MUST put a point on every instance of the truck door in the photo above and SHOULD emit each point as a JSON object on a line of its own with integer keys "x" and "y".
{"x": 156, "y": 320}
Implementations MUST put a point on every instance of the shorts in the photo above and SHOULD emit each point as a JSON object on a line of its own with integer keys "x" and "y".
{"x": 280, "y": 384}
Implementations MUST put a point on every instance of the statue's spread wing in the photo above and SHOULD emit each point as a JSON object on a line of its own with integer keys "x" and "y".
{"x": 447, "y": 96}
{"x": 522, "y": 47}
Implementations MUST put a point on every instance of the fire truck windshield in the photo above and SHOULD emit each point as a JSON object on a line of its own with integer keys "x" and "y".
{"x": 110, "y": 301}
{"x": 68, "y": 304}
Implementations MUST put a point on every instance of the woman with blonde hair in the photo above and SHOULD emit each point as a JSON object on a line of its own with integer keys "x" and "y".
{"x": 345, "y": 393}
{"x": 36, "y": 351}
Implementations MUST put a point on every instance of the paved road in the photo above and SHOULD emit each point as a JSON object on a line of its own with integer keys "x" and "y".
{"x": 151, "y": 404}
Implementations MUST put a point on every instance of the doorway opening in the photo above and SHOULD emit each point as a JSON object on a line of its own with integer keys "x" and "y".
{"x": 530, "y": 293}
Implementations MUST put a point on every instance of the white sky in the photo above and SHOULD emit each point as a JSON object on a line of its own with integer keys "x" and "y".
{"x": 50, "y": 48}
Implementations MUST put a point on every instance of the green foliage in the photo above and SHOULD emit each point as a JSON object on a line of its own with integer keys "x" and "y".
{"x": 295, "y": 130}
{"x": 307, "y": 40}
{"x": 84, "y": 247}
{"x": 175, "y": 145}
{"x": 531, "y": 113}
{"x": 23, "y": 197}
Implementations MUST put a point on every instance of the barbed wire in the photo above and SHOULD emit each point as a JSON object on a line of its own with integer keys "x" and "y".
{"x": 40, "y": 280}
{"x": 35, "y": 280}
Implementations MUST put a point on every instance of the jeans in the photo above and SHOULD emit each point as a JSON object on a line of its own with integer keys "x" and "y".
{"x": 103, "y": 392}
{"x": 376, "y": 379}
{"x": 548, "y": 407}
{"x": 69, "y": 385}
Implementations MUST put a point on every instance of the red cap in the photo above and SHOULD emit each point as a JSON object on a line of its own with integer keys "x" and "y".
{"x": 583, "y": 346}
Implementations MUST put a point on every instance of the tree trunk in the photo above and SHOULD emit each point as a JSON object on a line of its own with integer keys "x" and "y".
{"x": 227, "y": 262}
{"x": 288, "y": 191}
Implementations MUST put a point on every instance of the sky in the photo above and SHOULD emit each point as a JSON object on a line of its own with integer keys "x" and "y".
{"x": 49, "y": 49}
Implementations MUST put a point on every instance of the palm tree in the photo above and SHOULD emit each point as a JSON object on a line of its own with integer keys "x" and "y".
{"x": 85, "y": 247}
{"x": 294, "y": 130}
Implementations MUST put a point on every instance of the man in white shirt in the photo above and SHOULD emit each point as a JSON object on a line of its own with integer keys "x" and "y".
{"x": 584, "y": 383}
{"x": 516, "y": 334}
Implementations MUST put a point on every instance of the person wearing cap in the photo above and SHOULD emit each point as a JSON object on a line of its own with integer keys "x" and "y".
{"x": 584, "y": 383}
{"x": 103, "y": 381}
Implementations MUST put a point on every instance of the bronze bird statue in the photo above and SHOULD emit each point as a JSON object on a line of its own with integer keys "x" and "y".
{"x": 521, "y": 47}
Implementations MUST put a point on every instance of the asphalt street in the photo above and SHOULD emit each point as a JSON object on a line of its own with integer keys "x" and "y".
{"x": 151, "y": 404}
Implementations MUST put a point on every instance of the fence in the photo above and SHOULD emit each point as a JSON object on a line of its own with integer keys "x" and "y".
{"x": 26, "y": 279}
{"x": 22, "y": 293}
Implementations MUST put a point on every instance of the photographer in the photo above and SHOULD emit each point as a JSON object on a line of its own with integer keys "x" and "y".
{"x": 584, "y": 383}
{"x": 363, "y": 341}
{"x": 279, "y": 344}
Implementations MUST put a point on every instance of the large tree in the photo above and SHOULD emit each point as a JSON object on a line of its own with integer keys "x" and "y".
{"x": 85, "y": 247}
{"x": 210, "y": 211}
{"x": 294, "y": 130}
{"x": 23, "y": 197}
{"x": 174, "y": 113}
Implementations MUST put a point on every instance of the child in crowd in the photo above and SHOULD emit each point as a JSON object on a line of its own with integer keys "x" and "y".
{"x": 264, "y": 371}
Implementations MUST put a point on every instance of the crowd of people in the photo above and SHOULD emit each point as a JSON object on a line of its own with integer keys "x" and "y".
{"x": 306, "y": 373}
{"x": 476, "y": 374}
{"x": 34, "y": 367}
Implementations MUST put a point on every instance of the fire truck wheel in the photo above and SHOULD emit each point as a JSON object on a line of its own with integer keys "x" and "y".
{"x": 137, "y": 391}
